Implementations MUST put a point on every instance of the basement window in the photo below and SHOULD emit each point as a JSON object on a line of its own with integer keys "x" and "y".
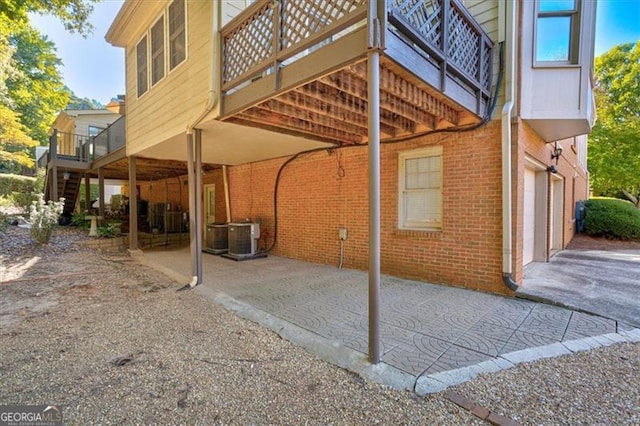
{"x": 420, "y": 189}
{"x": 557, "y": 31}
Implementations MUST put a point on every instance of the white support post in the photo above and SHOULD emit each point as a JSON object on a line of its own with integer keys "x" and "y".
{"x": 373, "y": 97}
{"x": 192, "y": 207}
{"x": 198, "y": 203}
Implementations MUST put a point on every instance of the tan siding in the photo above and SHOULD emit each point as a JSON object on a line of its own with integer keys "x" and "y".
{"x": 168, "y": 107}
{"x": 485, "y": 13}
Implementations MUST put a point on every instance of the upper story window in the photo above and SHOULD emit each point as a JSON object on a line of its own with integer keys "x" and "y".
{"x": 177, "y": 34}
{"x": 152, "y": 59}
{"x": 141, "y": 63}
{"x": 94, "y": 130}
{"x": 420, "y": 189}
{"x": 557, "y": 31}
{"x": 157, "y": 51}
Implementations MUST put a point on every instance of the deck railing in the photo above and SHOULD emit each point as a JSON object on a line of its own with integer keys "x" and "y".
{"x": 81, "y": 148}
{"x": 269, "y": 34}
{"x": 110, "y": 139}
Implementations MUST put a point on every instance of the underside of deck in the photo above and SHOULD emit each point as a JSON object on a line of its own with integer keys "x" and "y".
{"x": 311, "y": 80}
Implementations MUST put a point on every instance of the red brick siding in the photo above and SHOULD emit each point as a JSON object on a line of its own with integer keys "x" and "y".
{"x": 315, "y": 200}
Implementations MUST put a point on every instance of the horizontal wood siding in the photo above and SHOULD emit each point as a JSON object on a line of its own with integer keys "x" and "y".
{"x": 485, "y": 13}
{"x": 168, "y": 107}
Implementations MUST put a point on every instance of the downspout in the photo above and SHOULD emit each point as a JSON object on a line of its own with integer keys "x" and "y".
{"x": 227, "y": 198}
{"x": 212, "y": 102}
{"x": 215, "y": 66}
{"x": 509, "y": 95}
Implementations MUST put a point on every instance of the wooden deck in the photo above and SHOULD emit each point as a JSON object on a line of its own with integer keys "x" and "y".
{"x": 299, "y": 66}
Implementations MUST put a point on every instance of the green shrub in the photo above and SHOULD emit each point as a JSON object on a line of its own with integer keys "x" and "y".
{"x": 109, "y": 231}
{"x": 79, "y": 220}
{"x": 15, "y": 183}
{"x": 3, "y": 222}
{"x": 612, "y": 218}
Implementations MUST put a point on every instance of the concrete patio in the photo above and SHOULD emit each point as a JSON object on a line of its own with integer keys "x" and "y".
{"x": 432, "y": 336}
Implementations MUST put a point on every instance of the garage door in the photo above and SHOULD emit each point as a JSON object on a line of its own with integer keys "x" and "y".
{"x": 529, "y": 224}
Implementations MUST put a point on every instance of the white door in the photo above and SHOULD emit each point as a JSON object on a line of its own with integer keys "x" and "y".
{"x": 529, "y": 222}
{"x": 557, "y": 209}
{"x": 210, "y": 204}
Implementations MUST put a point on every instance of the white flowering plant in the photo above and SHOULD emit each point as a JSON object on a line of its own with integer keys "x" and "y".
{"x": 43, "y": 218}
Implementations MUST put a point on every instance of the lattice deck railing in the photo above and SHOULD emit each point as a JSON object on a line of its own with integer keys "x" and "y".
{"x": 449, "y": 34}
{"x": 270, "y": 33}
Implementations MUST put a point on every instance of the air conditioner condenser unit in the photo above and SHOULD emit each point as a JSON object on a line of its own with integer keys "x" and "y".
{"x": 217, "y": 238}
{"x": 243, "y": 241}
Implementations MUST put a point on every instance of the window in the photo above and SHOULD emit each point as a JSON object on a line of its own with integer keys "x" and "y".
{"x": 177, "y": 34}
{"x": 157, "y": 51}
{"x": 557, "y": 29}
{"x": 141, "y": 62}
{"x": 94, "y": 130}
{"x": 420, "y": 189}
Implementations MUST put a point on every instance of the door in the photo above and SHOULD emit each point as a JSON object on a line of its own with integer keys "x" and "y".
{"x": 210, "y": 204}
{"x": 556, "y": 212}
{"x": 529, "y": 225}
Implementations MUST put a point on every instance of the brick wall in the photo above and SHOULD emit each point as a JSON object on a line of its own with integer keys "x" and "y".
{"x": 323, "y": 191}
{"x": 574, "y": 180}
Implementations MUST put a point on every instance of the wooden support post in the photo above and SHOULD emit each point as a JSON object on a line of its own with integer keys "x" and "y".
{"x": 133, "y": 205}
{"x": 87, "y": 193}
{"x": 101, "y": 193}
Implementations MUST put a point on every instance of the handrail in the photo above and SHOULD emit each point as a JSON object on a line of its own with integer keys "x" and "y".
{"x": 83, "y": 148}
{"x": 271, "y": 33}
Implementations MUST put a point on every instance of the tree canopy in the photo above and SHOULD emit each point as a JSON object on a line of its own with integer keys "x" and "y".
{"x": 31, "y": 87}
{"x": 614, "y": 144}
{"x": 74, "y": 14}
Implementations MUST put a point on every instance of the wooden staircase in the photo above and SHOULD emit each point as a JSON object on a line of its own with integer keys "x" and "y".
{"x": 67, "y": 188}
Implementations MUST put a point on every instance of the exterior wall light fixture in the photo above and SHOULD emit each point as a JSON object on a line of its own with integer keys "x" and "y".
{"x": 557, "y": 152}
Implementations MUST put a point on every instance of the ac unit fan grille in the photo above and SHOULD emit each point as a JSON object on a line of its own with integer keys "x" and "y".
{"x": 217, "y": 237}
{"x": 240, "y": 240}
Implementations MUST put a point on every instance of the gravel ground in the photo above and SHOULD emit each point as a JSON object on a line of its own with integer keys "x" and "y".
{"x": 114, "y": 343}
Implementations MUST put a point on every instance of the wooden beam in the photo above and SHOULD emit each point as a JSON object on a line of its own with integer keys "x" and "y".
{"x": 404, "y": 89}
{"x": 273, "y": 119}
{"x": 352, "y": 103}
{"x": 358, "y": 88}
{"x": 302, "y": 113}
{"x": 333, "y": 110}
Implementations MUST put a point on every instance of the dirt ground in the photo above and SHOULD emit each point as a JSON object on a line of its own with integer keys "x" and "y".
{"x": 112, "y": 342}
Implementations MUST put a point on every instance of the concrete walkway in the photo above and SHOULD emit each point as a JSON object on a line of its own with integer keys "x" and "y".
{"x": 432, "y": 336}
{"x": 603, "y": 282}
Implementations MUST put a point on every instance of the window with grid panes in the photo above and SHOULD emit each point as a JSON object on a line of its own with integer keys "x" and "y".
{"x": 177, "y": 33}
{"x": 420, "y": 189}
{"x": 157, "y": 51}
{"x": 141, "y": 66}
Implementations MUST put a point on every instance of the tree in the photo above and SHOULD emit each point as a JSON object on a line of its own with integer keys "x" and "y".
{"x": 36, "y": 89}
{"x": 15, "y": 144}
{"x": 74, "y": 14}
{"x": 614, "y": 144}
{"x": 82, "y": 103}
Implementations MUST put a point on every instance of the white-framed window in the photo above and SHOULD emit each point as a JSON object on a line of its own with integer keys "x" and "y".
{"x": 557, "y": 31}
{"x": 141, "y": 66}
{"x": 94, "y": 130}
{"x": 420, "y": 189}
{"x": 177, "y": 33}
{"x": 157, "y": 51}
{"x": 162, "y": 47}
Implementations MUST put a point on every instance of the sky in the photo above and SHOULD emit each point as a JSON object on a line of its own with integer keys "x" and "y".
{"x": 94, "y": 69}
